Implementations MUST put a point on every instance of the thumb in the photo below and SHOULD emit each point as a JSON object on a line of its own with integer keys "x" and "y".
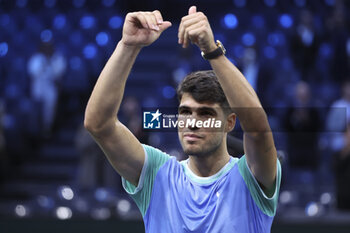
{"x": 193, "y": 9}
{"x": 165, "y": 25}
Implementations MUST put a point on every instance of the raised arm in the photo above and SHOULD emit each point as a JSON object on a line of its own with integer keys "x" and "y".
{"x": 258, "y": 141}
{"x": 121, "y": 147}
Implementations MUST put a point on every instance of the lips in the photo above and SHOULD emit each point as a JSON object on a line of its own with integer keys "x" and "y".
{"x": 192, "y": 137}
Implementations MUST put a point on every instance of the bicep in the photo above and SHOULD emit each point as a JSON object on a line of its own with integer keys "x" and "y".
{"x": 123, "y": 150}
{"x": 261, "y": 157}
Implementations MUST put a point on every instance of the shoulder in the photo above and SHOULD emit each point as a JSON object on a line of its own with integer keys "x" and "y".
{"x": 156, "y": 157}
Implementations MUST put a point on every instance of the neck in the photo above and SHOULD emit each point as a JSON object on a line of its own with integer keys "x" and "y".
{"x": 209, "y": 165}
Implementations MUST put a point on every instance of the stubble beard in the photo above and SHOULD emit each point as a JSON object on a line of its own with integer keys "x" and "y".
{"x": 202, "y": 151}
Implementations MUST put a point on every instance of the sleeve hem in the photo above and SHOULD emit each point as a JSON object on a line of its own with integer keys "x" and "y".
{"x": 258, "y": 185}
{"x": 133, "y": 190}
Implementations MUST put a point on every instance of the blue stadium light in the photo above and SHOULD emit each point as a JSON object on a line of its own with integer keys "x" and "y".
{"x": 66, "y": 192}
{"x": 286, "y": 21}
{"x": 270, "y": 52}
{"x": 312, "y": 209}
{"x": 59, "y": 21}
{"x": 102, "y": 38}
{"x": 276, "y": 39}
{"x": 325, "y": 198}
{"x": 115, "y": 22}
{"x": 87, "y": 22}
{"x": 75, "y": 63}
{"x": 123, "y": 207}
{"x": 50, "y": 3}
{"x": 63, "y": 213}
{"x": 90, "y": 51}
{"x": 168, "y": 92}
{"x": 46, "y": 35}
{"x": 248, "y": 39}
{"x": 239, "y": 3}
{"x": 108, "y": 3}
{"x": 270, "y": 3}
{"x": 101, "y": 194}
{"x": 4, "y": 48}
{"x": 300, "y": 3}
{"x": 231, "y": 21}
{"x": 21, "y": 211}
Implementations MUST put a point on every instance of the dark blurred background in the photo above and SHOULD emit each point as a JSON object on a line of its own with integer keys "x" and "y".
{"x": 295, "y": 53}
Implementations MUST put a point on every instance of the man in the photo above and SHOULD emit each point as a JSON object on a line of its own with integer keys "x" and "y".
{"x": 211, "y": 191}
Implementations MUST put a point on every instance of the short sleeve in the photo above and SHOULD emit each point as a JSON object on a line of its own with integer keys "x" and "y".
{"x": 141, "y": 193}
{"x": 268, "y": 205}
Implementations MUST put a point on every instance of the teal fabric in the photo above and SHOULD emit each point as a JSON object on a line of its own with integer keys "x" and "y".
{"x": 141, "y": 194}
{"x": 267, "y": 205}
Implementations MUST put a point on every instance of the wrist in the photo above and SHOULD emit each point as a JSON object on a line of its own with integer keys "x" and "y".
{"x": 210, "y": 48}
{"x": 215, "y": 51}
{"x": 128, "y": 47}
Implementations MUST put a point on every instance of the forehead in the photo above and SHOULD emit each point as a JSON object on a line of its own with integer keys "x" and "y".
{"x": 188, "y": 101}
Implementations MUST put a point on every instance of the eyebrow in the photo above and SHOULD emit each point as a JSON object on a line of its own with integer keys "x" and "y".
{"x": 183, "y": 107}
{"x": 209, "y": 109}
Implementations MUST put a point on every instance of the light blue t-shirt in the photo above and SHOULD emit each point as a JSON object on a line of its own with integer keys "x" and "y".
{"x": 172, "y": 198}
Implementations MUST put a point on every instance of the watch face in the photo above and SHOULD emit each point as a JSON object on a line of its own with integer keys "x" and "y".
{"x": 221, "y": 46}
{"x": 217, "y": 52}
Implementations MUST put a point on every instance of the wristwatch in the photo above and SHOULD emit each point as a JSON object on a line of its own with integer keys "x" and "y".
{"x": 216, "y": 53}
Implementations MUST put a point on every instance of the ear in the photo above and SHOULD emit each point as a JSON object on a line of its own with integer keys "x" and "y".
{"x": 230, "y": 122}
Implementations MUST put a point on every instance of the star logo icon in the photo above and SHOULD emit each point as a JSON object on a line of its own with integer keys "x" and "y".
{"x": 155, "y": 116}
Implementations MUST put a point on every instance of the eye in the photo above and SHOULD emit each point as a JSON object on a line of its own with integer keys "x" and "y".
{"x": 206, "y": 113}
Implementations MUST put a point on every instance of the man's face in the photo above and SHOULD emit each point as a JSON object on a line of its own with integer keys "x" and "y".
{"x": 201, "y": 141}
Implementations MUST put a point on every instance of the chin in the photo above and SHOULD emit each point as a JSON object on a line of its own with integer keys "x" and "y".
{"x": 189, "y": 150}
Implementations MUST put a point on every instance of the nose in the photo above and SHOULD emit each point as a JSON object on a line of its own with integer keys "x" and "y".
{"x": 191, "y": 122}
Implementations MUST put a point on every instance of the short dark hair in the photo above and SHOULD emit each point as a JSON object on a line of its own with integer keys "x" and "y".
{"x": 204, "y": 86}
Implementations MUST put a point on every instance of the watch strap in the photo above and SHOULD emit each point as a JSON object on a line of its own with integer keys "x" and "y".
{"x": 220, "y": 50}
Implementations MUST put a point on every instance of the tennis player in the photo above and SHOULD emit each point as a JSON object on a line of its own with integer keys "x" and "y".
{"x": 211, "y": 191}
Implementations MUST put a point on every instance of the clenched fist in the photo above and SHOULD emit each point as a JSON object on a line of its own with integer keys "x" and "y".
{"x": 195, "y": 27}
{"x": 143, "y": 28}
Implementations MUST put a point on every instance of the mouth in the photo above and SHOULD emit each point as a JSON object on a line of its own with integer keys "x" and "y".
{"x": 192, "y": 137}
